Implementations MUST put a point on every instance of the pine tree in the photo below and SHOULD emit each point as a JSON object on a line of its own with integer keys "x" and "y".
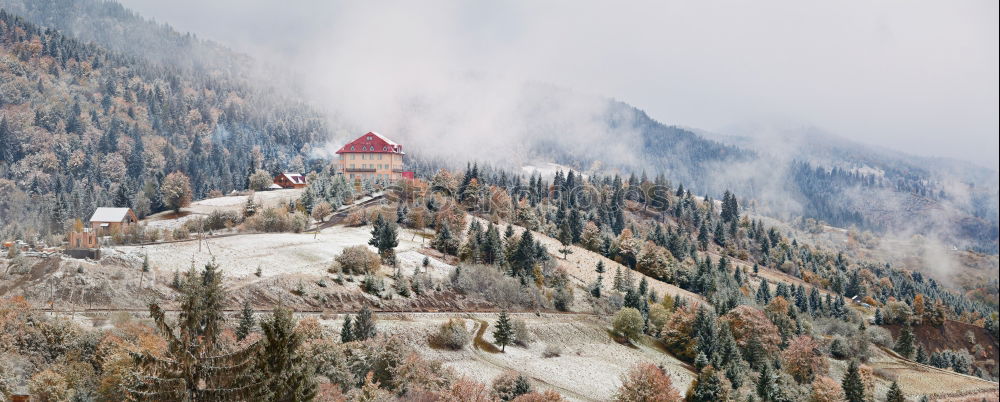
{"x": 600, "y": 267}
{"x": 189, "y": 368}
{"x": 895, "y": 393}
{"x": 595, "y": 290}
{"x": 347, "y": 331}
{"x": 854, "y": 388}
{"x": 707, "y": 387}
{"x": 385, "y": 239}
{"x": 364, "y": 325}
{"x": 565, "y": 239}
{"x": 444, "y": 241}
{"x": 503, "y": 335}
{"x": 765, "y": 383}
{"x": 905, "y": 342}
{"x": 247, "y": 322}
{"x": 282, "y": 364}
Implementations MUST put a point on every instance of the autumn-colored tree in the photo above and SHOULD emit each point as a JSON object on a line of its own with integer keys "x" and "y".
{"x": 176, "y": 191}
{"x": 677, "y": 334}
{"x": 259, "y": 180}
{"x": 658, "y": 317}
{"x": 803, "y": 359}
{"x": 628, "y": 322}
{"x": 826, "y": 389}
{"x": 919, "y": 308}
{"x": 778, "y": 305}
{"x": 321, "y": 210}
{"x": 747, "y": 322}
{"x": 49, "y": 386}
{"x": 647, "y": 383}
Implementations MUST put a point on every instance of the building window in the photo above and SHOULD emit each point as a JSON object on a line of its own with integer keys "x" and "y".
{"x": 352, "y": 147}
{"x": 385, "y": 148}
{"x": 369, "y": 138}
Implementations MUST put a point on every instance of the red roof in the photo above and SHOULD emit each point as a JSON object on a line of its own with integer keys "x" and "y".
{"x": 372, "y": 142}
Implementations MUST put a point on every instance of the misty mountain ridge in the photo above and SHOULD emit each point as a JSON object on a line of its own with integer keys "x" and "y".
{"x": 821, "y": 176}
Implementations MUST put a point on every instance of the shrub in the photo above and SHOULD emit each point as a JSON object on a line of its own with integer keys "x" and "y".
{"x": 276, "y": 220}
{"x": 545, "y": 396}
{"x": 552, "y": 350}
{"x": 510, "y": 385}
{"x": 880, "y": 336}
{"x": 647, "y": 382}
{"x": 628, "y": 322}
{"x": 492, "y": 285}
{"x": 219, "y": 219}
{"x": 356, "y": 260}
{"x": 522, "y": 336}
{"x": 49, "y": 385}
{"x": 451, "y": 335}
{"x": 373, "y": 285}
{"x": 181, "y": 233}
{"x": 838, "y": 348}
{"x": 562, "y": 299}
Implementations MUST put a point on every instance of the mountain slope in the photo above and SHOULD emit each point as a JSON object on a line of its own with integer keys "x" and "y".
{"x": 83, "y": 126}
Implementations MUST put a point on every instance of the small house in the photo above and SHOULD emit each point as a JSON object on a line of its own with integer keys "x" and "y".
{"x": 290, "y": 180}
{"x": 106, "y": 221}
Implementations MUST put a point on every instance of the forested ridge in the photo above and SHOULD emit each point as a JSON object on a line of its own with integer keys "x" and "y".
{"x": 83, "y": 127}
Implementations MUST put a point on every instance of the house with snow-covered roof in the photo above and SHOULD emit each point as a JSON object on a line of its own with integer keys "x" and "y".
{"x": 106, "y": 220}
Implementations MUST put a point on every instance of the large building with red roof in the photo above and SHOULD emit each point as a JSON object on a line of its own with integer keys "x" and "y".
{"x": 372, "y": 157}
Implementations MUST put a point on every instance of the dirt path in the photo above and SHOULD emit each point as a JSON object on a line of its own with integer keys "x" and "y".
{"x": 482, "y": 351}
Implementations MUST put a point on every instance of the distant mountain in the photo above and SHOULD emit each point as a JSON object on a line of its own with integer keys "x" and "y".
{"x": 120, "y": 30}
{"x": 90, "y": 87}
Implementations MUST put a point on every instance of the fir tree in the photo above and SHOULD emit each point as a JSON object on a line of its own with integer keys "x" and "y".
{"x": 385, "y": 239}
{"x": 364, "y": 325}
{"x": 503, "y": 335}
{"x": 282, "y": 364}
{"x": 707, "y": 387}
{"x": 347, "y": 331}
{"x": 854, "y": 388}
{"x": 247, "y": 322}
{"x": 765, "y": 383}
{"x": 595, "y": 290}
{"x": 905, "y": 343}
{"x": 600, "y": 267}
{"x": 895, "y": 393}
{"x": 565, "y": 239}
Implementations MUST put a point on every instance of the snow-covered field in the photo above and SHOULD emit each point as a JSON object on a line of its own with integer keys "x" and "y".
{"x": 588, "y": 369}
{"x": 275, "y": 254}
{"x": 166, "y": 220}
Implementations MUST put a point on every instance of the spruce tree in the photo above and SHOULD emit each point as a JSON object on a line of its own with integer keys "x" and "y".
{"x": 247, "y": 322}
{"x": 282, "y": 364}
{"x": 905, "y": 342}
{"x": 385, "y": 239}
{"x": 503, "y": 335}
{"x": 347, "y": 330}
{"x": 854, "y": 388}
{"x": 765, "y": 383}
{"x": 707, "y": 387}
{"x": 895, "y": 393}
{"x": 600, "y": 267}
{"x": 565, "y": 239}
{"x": 364, "y": 325}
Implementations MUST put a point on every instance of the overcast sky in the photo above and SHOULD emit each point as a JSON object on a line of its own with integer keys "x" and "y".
{"x": 916, "y": 76}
